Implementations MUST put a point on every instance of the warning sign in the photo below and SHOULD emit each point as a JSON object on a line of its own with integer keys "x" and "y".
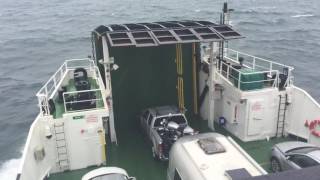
{"x": 92, "y": 118}
{"x": 256, "y": 106}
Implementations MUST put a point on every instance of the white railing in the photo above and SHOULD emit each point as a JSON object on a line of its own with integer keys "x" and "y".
{"x": 82, "y": 100}
{"x": 50, "y": 88}
{"x": 269, "y": 71}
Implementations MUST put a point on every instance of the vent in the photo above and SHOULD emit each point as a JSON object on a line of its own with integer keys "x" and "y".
{"x": 211, "y": 146}
{"x": 238, "y": 174}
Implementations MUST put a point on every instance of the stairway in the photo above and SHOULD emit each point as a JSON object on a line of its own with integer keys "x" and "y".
{"x": 281, "y": 114}
{"x": 61, "y": 145}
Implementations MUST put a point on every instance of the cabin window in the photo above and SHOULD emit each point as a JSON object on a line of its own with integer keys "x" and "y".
{"x": 177, "y": 175}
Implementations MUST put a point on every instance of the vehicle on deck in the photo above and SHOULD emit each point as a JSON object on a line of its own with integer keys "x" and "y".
{"x": 294, "y": 155}
{"x": 210, "y": 156}
{"x": 107, "y": 173}
{"x": 163, "y": 126}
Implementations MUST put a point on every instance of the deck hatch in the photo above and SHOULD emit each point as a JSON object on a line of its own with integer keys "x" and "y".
{"x": 168, "y": 32}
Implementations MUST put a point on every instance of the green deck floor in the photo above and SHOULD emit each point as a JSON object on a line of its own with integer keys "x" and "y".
{"x": 134, "y": 154}
{"x": 71, "y": 88}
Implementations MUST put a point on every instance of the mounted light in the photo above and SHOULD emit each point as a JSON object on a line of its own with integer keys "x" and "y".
{"x": 115, "y": 67}
{"x": 47, "y": 132}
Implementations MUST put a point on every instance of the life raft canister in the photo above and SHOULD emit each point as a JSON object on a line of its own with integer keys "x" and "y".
{"x": 312, "y": 127}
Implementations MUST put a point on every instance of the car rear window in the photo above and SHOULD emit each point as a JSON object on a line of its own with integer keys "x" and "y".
{"x": 179, "y": 119}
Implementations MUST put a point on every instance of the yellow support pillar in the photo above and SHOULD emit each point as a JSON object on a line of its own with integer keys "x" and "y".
{"x": 103, "y": 145}
{"x": 194, "y": 79}
{"x": 180, "y": 89}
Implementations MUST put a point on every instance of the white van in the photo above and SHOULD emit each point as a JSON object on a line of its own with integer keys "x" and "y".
{"x": 210, "y": 156}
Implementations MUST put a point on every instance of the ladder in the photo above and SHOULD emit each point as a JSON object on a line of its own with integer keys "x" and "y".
{"x": 61, "y": 146}
{"x": 281, "y": 115}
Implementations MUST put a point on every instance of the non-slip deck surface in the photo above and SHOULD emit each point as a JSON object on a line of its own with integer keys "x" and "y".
{"x": 134, "y": 153}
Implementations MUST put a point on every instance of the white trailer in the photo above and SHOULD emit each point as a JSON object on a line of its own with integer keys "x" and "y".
{"x": 210, "y": 156}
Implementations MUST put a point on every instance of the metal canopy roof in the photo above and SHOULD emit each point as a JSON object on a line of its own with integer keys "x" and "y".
{"x": 169, "y": 32}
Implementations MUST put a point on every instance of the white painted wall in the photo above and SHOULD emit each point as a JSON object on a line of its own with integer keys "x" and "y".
{"x": 30, "y": 168}
{"x": 85, "y": 145}
{"x": 303, "y": 107}
{"x": 203, "y": 77}
{"x": 238, "y": 108}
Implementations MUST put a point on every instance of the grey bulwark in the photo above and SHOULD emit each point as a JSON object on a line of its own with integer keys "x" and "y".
{"x": 168, "y": 32}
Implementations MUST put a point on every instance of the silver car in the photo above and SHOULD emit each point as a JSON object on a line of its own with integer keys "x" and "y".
{"x": 294, "y": 155}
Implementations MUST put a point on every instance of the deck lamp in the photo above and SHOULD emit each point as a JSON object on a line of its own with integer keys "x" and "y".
{"x": 47, "y": 132}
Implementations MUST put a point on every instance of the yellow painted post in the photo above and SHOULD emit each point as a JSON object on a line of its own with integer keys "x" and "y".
{"x": 182, "y": 94}
{"x": 194, "y": 78}
{"x": 103, "y": 145}
{"x": 180, "y": 90}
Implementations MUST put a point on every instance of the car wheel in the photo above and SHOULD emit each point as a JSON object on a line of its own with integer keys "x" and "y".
{"x": 275, "y": 165}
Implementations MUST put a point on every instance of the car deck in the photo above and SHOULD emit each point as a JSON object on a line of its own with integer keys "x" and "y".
{"x": 133, "y": 153}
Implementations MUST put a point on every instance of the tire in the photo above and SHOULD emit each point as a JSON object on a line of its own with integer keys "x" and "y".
{"x": 275, "y": 165}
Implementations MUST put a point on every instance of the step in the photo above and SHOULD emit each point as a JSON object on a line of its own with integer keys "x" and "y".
{"x": 59, "y": 132}
{"x": 64, "y": 163}
{"x": 62, "y": 146}
{"x": 62, "y": 157}
{"x": 58, "y": 125}
{"x": 62, "y": 153}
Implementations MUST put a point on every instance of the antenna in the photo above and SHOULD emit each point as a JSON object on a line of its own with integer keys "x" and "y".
{"x": 225, "y": 15}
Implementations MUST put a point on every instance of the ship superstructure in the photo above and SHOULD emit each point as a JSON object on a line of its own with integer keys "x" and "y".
{"x": 139, "y": 65}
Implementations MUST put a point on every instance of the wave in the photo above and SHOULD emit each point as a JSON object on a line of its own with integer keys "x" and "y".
{"x": 9, "y": 169}
{"x": 302, "y": 15}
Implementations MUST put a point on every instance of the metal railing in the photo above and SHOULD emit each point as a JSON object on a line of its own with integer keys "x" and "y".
{"x": 82, "y": 100}
{"x": 267, "y": 73}
{"x": 50, "y": 88}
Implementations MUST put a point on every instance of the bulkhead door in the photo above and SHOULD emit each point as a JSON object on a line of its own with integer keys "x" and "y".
{"x": 256, "y": 116}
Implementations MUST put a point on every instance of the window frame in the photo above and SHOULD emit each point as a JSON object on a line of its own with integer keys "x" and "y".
{"x": 296, "y": 159}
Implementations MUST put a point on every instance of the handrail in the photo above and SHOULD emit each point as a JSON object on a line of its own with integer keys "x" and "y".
{"x": 225, "y": 70}
{"x": 260, "y": 65}
{"x": 51, "y": 86}
{"x": 95, "y": 99}
{"x": 258, "y": 58}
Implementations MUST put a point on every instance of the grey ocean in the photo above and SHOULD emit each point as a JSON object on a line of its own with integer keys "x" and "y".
{"x": 37, "y": 35}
